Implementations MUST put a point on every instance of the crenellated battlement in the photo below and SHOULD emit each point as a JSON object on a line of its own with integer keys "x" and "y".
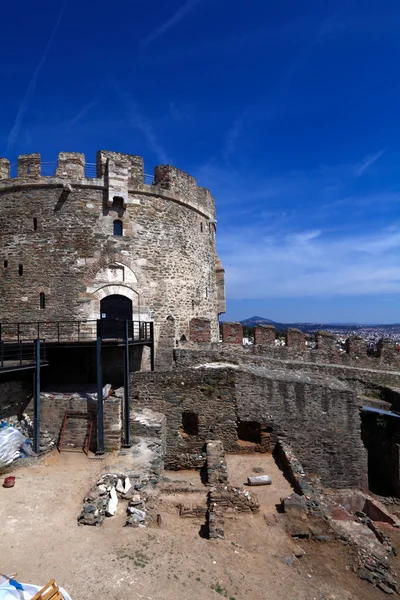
{"x": 321, "y": 347}
{"x": 120, "y": 173}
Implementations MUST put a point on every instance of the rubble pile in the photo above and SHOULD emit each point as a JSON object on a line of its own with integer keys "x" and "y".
{"x": 102, "y": 500}
{"x": 372, "y": 546}
{"x": 136, "y": 512}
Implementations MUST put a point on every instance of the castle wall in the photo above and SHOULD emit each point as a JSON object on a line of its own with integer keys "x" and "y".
{"x": 57, "y": 238}
{"x": 376, "y": 380}
{"x": 319, "y": 417}
{"x": 199, "y": 405}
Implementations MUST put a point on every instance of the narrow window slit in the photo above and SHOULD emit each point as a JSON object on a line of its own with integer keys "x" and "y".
{"x": 118, "y": 227}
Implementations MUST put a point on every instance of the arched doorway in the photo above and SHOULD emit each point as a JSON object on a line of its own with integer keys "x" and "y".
{"x": 115, "y": 309}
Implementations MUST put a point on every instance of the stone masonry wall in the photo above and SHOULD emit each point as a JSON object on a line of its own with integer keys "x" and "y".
{"x": 319, "y": 417}
{"x": 53, "y": 407}
{"x": 15, "y": 394}
{"x": 232, "y": 333}
{"x": 295, "y": 339}
{"x": 56, "y": 238}
{"x": 199, "y": 405}
{"x": 364, "y": 381}
{"x": 265, "y": 335}
{"x": 200, "y": 330}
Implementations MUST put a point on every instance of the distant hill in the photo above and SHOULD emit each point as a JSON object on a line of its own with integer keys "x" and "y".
{"x": 253, "y": 321}
{"x": 312, "y": 327}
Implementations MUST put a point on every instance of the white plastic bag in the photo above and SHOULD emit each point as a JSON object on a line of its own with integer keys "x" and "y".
{"x": 11, "y": 441}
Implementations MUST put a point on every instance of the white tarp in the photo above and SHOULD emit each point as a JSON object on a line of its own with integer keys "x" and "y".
{"x": 11, "y": 443}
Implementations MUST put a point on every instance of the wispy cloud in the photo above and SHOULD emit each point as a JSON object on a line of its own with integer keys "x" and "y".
{"x": 139, "y": 122}
{"x": 368, "y": 162}
{"x": 26, "y": 100}
{"x": 310, "y": 265}
{"x": 180, "y": 14}
{"x": 304, "y": 237}
{"x": 80, "y": 114}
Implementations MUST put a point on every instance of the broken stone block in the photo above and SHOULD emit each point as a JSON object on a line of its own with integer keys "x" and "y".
{"x": 112, "y": 503}
{"x": 139, "y": 514}
{"x": 323, "y": 538}
{"x": 385, "y": 588}
{"x": 341, "y": 514}
{"x": 298, "y": 552}
{"x": 294, "y": 503}
{"x": 366, "y": 575}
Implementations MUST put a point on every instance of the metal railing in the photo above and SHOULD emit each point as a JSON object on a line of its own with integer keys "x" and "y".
{"x": 20, "y": 353}
{"x": 48, "y": 169}
{"x": 77, "y": 331}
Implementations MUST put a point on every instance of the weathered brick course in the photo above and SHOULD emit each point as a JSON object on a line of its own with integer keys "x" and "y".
{"x": 232, "y": 333}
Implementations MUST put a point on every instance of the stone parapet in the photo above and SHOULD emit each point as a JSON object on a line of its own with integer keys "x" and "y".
{"x": 232, "y": 333}
{"x": 71, "y": 165}
{"x": 295, "y": 339}
{"x": 4, "y": 168}
{"x": 264, "y": 335}
{"x": 356, "y": 346}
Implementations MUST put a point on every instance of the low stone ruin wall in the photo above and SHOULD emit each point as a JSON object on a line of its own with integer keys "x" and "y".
{"x": 54, "y": 406}
{"x": 198, "y": 405}
{"x": 217, "y": 471}
{"x": 223, "y": 498}
{"x": 319, "y": 417}
{"x": 147, "y": 423}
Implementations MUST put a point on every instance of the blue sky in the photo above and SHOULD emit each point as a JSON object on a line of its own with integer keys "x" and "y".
{"x": 288, "y": 111}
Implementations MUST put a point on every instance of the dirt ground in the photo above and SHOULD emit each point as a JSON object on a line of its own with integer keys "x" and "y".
{"x": 41, "y": 540}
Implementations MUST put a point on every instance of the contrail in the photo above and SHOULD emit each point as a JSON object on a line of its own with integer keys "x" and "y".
{"x": 176, "y": 17}
{"x": 138, "y": 121}
{"x": 80, "y": 115}
{"x": 13, "y": 135}
{"x": 368, "y": 161}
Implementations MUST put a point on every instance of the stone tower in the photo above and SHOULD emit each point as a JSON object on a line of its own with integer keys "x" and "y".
{"x": 78, "y": 240}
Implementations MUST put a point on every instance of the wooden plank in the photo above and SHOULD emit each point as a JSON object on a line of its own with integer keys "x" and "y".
{"x": 50, "y": 591}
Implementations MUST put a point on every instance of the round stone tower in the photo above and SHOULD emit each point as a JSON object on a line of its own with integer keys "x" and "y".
{"x": 81, "y": 241}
